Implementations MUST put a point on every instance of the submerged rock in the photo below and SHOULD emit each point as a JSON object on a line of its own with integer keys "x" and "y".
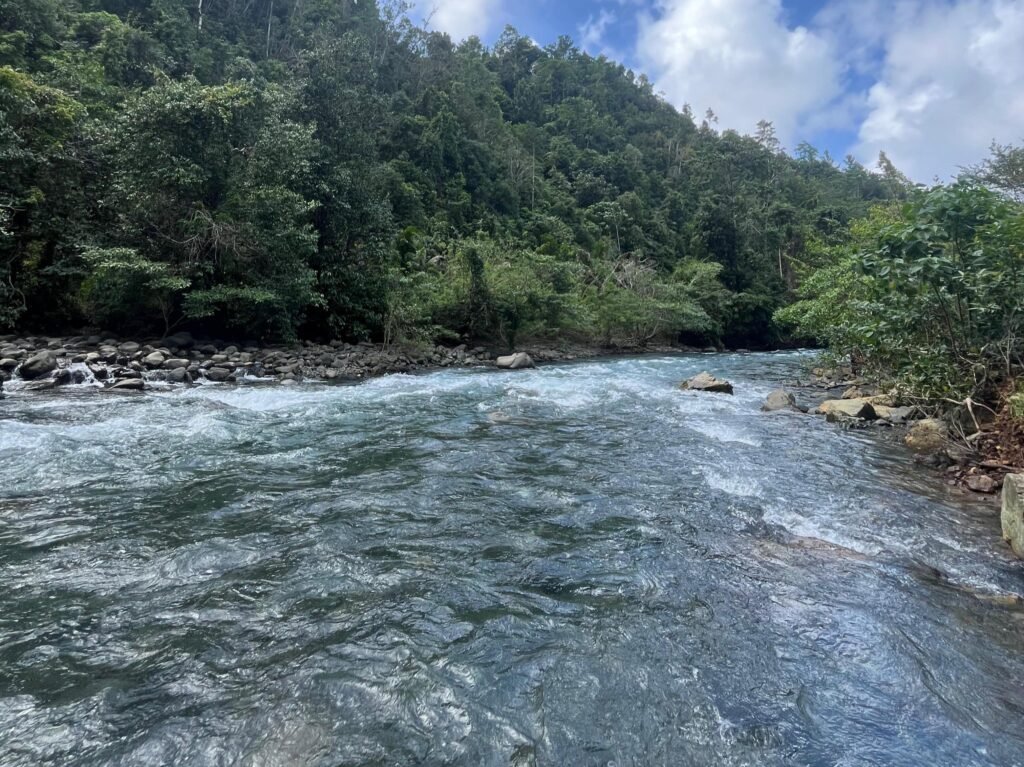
{"x": 780, "y": 399}
{"x": 517, "y": 361}
{"x": 848, "y": 408}
{"x": 38, "y": 365}
{"x": 927, "y": 436}
{"x": 707, "y": 382}
{"x": 1012, "y": 516}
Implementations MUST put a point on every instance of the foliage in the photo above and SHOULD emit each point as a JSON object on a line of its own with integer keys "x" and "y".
{"x": 928, "y": 295}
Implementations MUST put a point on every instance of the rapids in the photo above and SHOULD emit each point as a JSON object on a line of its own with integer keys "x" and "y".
{"x": 575, "y": 565}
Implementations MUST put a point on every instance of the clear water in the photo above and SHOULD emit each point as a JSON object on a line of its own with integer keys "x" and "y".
{"x": 577, "y": 565}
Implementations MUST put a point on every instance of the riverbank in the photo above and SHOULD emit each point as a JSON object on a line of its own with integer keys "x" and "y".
{"x": 29, "y": 363}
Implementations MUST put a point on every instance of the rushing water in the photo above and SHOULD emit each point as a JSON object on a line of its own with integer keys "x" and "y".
{"x": 576, "y": 565}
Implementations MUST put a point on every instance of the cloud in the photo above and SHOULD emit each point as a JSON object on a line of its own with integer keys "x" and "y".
{"x": 951, "y": 81}
{"x": 459, "y": 18}
{"x": 741, "y": 59}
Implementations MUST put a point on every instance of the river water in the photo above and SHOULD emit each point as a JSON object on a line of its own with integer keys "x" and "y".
{"x": 576, "y": 565}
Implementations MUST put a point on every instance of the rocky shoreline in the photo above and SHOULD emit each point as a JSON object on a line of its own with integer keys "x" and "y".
{"x": 34, "y": 363}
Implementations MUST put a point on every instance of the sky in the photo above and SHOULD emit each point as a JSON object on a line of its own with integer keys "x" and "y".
{"x": 931, "y": 82}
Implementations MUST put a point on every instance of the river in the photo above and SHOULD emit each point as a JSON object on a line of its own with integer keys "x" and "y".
{"x": 574, "y": 565}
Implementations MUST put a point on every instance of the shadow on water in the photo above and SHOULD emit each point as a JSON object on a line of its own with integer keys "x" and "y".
{"x": 579, "y": 564}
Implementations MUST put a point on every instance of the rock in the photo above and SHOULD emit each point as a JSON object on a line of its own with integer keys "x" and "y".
{"x": 173, "y": 364}
{"x": 780, "y": 399}
{"x": 129, "y": 384}
{"x": 981, "y": 483}
{"x": 895, "y": 415}
{"x": 154, "y": 359}
{"x": 218, "y": 374}
{"x": 848, "y": 408}
{"x": 707, "y": 382}
{"x": 927, "y": 436}
{"x": 179, "y": 375}
{"x": 128, "y": 347}
{"x": 853, "y": 392}
{"x": 517, "y": 361}
{"x": 38, "y": 365}
{"x": 8, "y": 364}
{"x": 1012, "y": 516}
{"x": 46, "y": 383}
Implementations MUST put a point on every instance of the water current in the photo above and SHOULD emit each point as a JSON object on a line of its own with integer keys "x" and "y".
{"x": 574, "y": 565}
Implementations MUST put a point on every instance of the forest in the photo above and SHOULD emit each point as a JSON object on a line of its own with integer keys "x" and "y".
{"x": 312, "y": 169}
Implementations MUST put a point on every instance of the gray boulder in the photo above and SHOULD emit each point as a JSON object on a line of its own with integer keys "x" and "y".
{"x": 129, "y": 384}
{"x": 38, "y": 365}
{"x": 174, "y": 363}
{"x": 780, "y": 399}
{"x": 8, "y": 364}
{"x": 847, "y": 408}
{"x": 1012, "y": 516}
{"x": 179, "y": 375}
{"x": 154, "y": 359}
{"x": 895, "y": 415}
{"x": 219, "y": 374}
{"x": 707, "y": 383}
{"x": 517, "y": 361}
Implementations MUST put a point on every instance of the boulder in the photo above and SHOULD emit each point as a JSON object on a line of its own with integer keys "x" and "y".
{"x": 927, "y": 436}
{"x": 128, "y": 347}
{"x": 129, "y": 384}
{"x": 218, "y": 374}
{"x": 8, "y": 364}
{"x": 179, "y": 375}
{"x": 1012, "y": 517}
{"x": 707, "y": 382}
{"x": 154, "y": 359}
{"x": 780, "y": 399}
{"x": 181, "y": 340}
{"x": 981, "y": 483}
{"x": 894, "y": 415}
{"x": 517, "y": 361}
{"x": 38, "y": 365}
{"x": 175, "y": 363}
{"x": 848, "y": 408}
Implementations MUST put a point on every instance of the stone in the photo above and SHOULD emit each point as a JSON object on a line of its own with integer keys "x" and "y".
{"x": 175, "y": 363}
{"x": 1012, "y": 516}
{"x": 847, "y": 408}
{"x": 46, "y": 383}
{"x": 780, "y": 399}
{"x": 218, "y": 374}
{"x": 517, "y": 361}
{"x": 180, "y": 340}
{"x": 128, "y": 347}
{"x": 895, "y": 415}
{"x": 708, "y": 383}
{"x": 154, "y": 359}
{"x": 981, "y": 483}
{"x": 927, "y": 436}
{"x": 38, "y": 365}
{"x": 129, "y": 384}
{"x": 8, "y": 364}
{"x": 179, "y": 375}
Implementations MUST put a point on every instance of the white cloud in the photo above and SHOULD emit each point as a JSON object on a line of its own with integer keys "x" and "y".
{"x": 459, "y": 18}
{"x": 741, "y": 59}
{"x": 951, "y": 81}
{"x": 592, "y": 30}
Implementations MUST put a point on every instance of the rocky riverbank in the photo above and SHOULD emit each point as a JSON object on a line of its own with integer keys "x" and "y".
{"x": 32, "y": 363}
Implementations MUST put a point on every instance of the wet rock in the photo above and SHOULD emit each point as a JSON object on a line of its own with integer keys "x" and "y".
{"x": 179, "y": 375}
{"x": 175, "y": 363}
{"x": 707, "y": 383}
{"x": 129, "y": 384}
{"x": 517, "y": 361}
{"x": 219, "y": 374}
{"x": 927, "y": 436}
{"x": 181, "y": 340}
{"x": 1012, "y": 516}
{"x": 848, "y": 408}
{"x": 780, "y": 399}
{"x": 981, "y": 483}
{"x": 7, "y": 364}
{"x": 46, "y": 383}
{"x": 99, "y": 372}
{"x": 154, "y": 359}
{"x": 128, "y": 347}
{"x": 38, "y": 365}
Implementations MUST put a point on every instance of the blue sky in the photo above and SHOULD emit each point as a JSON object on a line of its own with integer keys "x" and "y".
{"x": 931, "y": 82}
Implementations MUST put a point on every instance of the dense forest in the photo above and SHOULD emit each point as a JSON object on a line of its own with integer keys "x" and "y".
{"x": 293, "y": 168}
